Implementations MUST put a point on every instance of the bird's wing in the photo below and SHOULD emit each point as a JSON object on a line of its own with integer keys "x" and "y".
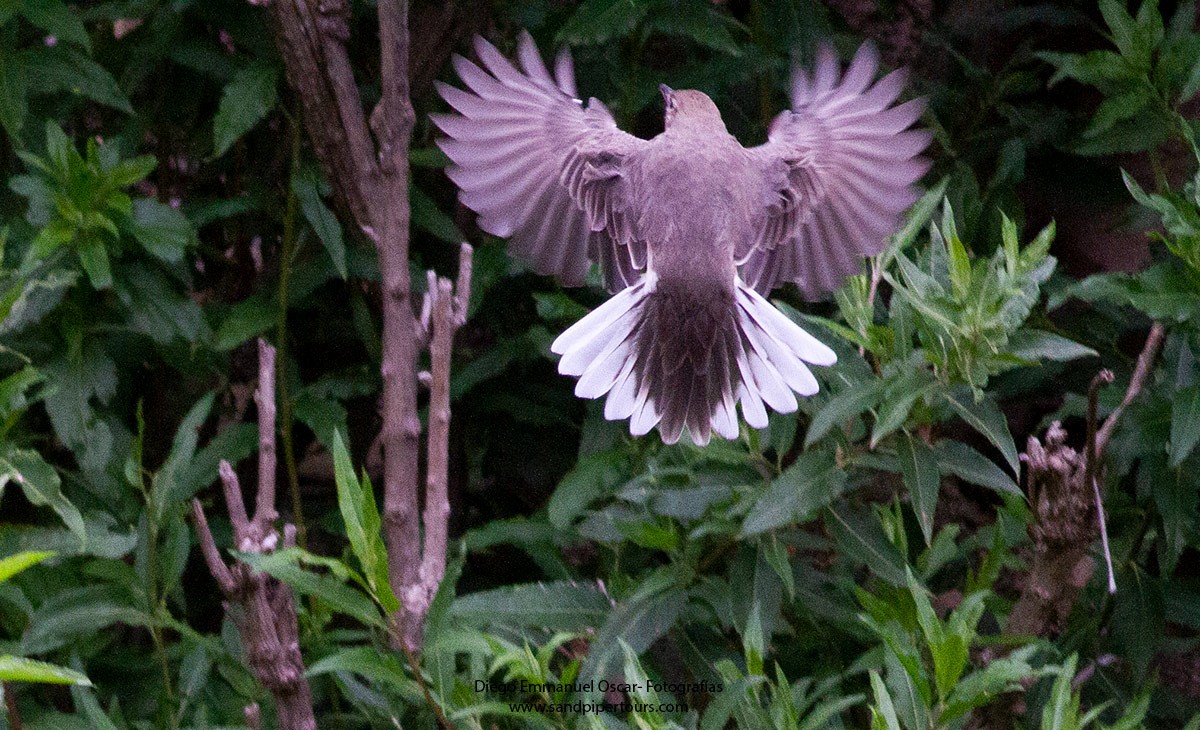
{"x": 840, "y": 169}
{"x": 539, "y": 167}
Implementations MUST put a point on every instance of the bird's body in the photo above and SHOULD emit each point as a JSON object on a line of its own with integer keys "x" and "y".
{"x": 690, "y": 227}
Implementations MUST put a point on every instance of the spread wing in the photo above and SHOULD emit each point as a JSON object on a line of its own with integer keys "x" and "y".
{"x": 540, "y": 168}
{"x": 840, "y": 169}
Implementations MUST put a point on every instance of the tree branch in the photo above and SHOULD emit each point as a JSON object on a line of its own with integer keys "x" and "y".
{"x": 371, "y": 178}
{"x": 266, "y": 620}
{"x": 1136, "y": 382}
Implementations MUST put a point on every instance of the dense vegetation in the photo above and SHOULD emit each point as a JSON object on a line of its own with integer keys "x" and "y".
{"x": 901, "y": 553}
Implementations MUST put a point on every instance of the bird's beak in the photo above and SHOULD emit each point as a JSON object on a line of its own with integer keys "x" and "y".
{"x": 666, "y": 91}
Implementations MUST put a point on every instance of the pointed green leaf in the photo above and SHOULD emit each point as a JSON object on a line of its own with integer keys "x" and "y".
{"x": 42, "y": 486}
{"x": 964, "y": 462}
{"x": 920, "y": 471}
{"x": 883, "y": 711}
{"x": 985, "y": 417}
{"x": 306, "y": 184}
{"x": 246, "y": 101}
{"x": 19, "y": 669}
{"x": 14, "y": 564}
{"x": 1185, "y": 423}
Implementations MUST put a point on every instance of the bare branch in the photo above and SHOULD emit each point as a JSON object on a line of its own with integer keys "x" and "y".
{"x": 264, "y": 397}
{"x": 1136, "y": 382}
{"x": 437, "y": 505}
{"x": 1092, "y": 467}
{"x": 462, "y": 287}
{"x": 234, "y": 502}
{"x": 267, "y": 620}
{"x": 212, "y": 556}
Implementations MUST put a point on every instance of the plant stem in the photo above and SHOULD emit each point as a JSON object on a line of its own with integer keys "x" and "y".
{"x": 155, "y": 603}
{"x": 286, "y": 255}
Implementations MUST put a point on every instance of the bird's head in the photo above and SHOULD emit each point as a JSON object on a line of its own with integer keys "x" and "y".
{"x": 688, "y": 107}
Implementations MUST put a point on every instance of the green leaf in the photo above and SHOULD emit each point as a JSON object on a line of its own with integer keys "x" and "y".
{"x": 246, "y": 101}
{"x": 248, "y": 318}
{"x": 329, "y": 588}
{"x": 19, "y": 669}
{"x": 841, "y": 408}
{"x": 920, "y": 471}
{"x": 94, "y": 258}
{"x": 861, "y": 539}
{"x": 1119, "y": 108}
{"x": 14, "y": 564}
{"x": 985, "y": 417}
{"x": 1185, "y": 424}
{"x": 41, "y": 485}
{"x": 699, "y": 22}
{"x": 559, "y": 606}
{"x": 66, "y": 70}
{"x": 599, "y": 21}
{"x": 639, "y": 621}
{"x": 233, "y": 444}
{"x": 370, "y": 663}
{"x": 183, "y": 449}
{"x": 1120, "y": 23}
{"x": 13, "y": 88}
{"x": 363, "y": 526}
{"x": 883, "y": 712}
{"x": 594, "y": 476}
{"x": 899, "y": 397}
{"x": 964, "y": 462}
{"x": 307, "y": 184}
{"x": 76, "y": 612}
{"x": 54, "y": 17}
{"x": 810, "y": 483}
{"x": 960, "y": 267}
{"x": 978, "y": 688}
{"x": 321, "y": 413}
{"x": 1038, "y": 345}
{"x": 157, "y": 308}
{"x": 162, "y": 230}
{"x": 1064, "y": 703}
{"x": 29, "y": 302}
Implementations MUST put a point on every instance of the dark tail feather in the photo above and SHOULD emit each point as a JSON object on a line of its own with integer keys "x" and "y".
{"x": 667, "y": 359}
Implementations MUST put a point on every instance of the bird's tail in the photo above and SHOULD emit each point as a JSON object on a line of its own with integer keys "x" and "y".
{"x": 670, "y": 359}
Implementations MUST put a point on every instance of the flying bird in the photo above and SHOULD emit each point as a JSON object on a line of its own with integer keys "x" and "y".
{"x": 690, "y": 229}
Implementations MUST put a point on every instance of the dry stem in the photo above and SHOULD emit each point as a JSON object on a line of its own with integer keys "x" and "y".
{"x": 262, "y": 607}
{"x": 1064, "y": 491}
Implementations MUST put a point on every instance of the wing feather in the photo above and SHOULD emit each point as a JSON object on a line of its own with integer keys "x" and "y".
{"x": 840, "y": 168}
{"x": 539, "y": 167}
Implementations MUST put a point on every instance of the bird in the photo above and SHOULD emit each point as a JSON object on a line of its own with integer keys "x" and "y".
{"x": 691, "y": 229}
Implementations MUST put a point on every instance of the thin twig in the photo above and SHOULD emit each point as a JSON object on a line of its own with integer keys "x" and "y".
{"x": 1140, "y": 372}
{"x": 1091, "y": 469}
{"x": 462, "y": 287}
{"x": 212, "y": 556}
{"x": 286, "y": 256}
{"x": 264, "y": 397}
{"x": 415, "y": 666}
{"x": 267, "y": 620}
{"x": 234, "y": 502}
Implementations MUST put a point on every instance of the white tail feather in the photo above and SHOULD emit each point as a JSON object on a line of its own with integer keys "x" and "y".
{"x": 759, "y": 360}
